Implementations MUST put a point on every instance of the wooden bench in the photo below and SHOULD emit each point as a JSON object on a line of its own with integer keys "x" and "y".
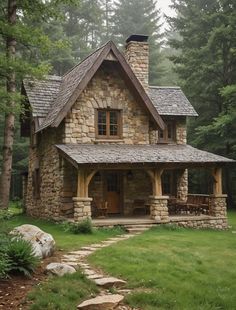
{"x": 195, "y": 204}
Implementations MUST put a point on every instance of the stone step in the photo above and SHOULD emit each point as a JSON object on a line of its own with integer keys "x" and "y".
{"x": 105, "y": 302}
{"x": 136, "y": 230}
{"x": 109, "y": 282}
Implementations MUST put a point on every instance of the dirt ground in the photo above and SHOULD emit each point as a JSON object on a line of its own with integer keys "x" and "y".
{"x": 13, "y": 291}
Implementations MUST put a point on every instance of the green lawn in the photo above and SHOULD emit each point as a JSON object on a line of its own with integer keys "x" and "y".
{"x": 64, "y": 240}
{"x": 176, "y": 269}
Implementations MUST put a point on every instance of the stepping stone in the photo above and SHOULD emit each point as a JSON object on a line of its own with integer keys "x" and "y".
{"x": 116, "y": 239}
{"x": 73, "y": 264}
{"x": 233, "y": 232}
{"x": 88, "y": 248}
{"x": 95, "y": 276}
{"x": 108, "y": 242}
{"x": 109, "y": 282}
{"x": 83, "y": 265}
{"x": 106, "y": 302}
{"x": 80, "y": 253}
{"x": 70, "y": 259}
{"x": 97, "y": 245}
{"x": 88, "y": 272}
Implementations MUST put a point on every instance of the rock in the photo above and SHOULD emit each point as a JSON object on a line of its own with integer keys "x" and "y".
{"x": 59, "y": 269}
{"x": 42, "y": 242}
{"x": 109, "y": 282}
{"x": 106, "y": 302}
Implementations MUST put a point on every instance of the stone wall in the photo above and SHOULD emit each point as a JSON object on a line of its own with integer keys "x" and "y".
{"x": 217, "y": 205}
{"x": 107, "y": 89}
{"x": 201, "y": 222}
{"x": 45, "y": 158}
{"x": 139, "y": 187}
{"x": 159, "y": 208}
{"x": 181, "y": 131}
{"x": 137, "y": 55}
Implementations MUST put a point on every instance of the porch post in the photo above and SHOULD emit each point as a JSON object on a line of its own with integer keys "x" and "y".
{"x": 217, "y": 203}
{"x": 82, "y": 203}
{"x": 158, "y": 203}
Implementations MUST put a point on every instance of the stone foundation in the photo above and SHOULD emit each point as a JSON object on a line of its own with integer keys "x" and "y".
{"x": 201, "y": 222}
{"x": 217, "y": 205}
{"x": 158, "y": 208}
{"x": 82, "y": 208}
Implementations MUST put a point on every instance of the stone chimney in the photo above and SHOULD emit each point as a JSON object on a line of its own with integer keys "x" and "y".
{"x": 137, "y": 55}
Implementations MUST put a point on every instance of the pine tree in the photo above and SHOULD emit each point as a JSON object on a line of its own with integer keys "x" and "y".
{"x": 141, "y": 17}
{"x": 20, "y": 49}
{"x": 207, "y": 66}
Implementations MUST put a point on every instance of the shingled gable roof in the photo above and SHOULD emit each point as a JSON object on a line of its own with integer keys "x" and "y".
{"x": 75, "y": 81}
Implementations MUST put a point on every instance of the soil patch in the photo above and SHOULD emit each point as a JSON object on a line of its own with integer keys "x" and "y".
{"x": 13, "y": 291}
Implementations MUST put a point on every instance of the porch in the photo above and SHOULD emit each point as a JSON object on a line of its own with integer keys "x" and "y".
{"x": 142, "y": 190}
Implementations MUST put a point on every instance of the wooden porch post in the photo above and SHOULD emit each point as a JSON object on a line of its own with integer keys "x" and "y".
{"x": 156, "y": 181}
{"x": 217, "y": 186}
{"x": 158, "y": 203}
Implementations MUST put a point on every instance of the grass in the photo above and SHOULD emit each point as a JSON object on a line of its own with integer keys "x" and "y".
{"x": 62, "y": 293}
{"x": 66, "y": 292}
{"x": 64, "y": 240}
{"x": 176, "y": 268}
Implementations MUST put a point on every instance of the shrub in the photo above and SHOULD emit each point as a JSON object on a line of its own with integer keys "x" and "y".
{"x": 5, "y": 215}
{"x": 5, "y": 265}
{"x": 84, "y": 227}
{"x": 21, "y": 256}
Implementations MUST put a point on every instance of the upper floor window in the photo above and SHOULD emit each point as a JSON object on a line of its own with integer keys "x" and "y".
{"x": 108, "y": 124}
{"x": 169, "y": 133}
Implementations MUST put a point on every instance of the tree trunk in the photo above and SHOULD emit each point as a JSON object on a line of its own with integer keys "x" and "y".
{"x": 5, "y": 180}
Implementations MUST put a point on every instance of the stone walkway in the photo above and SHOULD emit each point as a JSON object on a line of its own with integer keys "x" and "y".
{"x": 105, "y": 299}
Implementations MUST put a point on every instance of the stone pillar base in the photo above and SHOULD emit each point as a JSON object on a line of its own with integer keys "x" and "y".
{"x": 217, "y": 205}
{"x": 158, "y": 208}
{"x": 82, "y": 208}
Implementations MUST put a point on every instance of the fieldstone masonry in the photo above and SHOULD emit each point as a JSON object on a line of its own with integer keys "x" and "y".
{"x": 82, "y": 208}
{"x": 137, "y": 55}
{"x": 182, "y": 185}
{"x": 218, "y": 205}
{"x": 158, "y": 208}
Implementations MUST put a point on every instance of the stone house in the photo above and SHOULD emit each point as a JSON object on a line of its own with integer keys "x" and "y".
{"x": 104, "y": 143}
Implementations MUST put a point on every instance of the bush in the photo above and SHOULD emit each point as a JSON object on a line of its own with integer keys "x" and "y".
{"x": 5, "y": 215}
{"x": 84, "y": 227}
{"x": 4, "y": 265}
{"x": 21, "y": 256}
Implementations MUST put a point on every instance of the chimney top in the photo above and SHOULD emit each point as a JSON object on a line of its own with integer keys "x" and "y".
{"x": 137, "y": 38}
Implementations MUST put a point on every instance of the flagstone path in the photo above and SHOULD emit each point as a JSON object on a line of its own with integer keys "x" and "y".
{"x": 105, "y": 300}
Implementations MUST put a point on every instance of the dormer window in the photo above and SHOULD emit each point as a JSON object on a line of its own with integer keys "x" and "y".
{"x": 168, "y": 134}
{"x": 108, "y": 124}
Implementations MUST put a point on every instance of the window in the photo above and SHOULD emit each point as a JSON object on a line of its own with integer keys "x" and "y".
{"x": 168, "y": 134}
{"x": 108, "y": 124}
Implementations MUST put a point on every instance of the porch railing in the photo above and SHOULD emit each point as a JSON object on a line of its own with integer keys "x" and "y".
{"x": 196, "y": 204}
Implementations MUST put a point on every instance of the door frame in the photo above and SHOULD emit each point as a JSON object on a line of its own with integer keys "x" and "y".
{"x": 120, "y": 174}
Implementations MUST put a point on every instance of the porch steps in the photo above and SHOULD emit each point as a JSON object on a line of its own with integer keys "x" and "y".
{"x": 134, "y": 228}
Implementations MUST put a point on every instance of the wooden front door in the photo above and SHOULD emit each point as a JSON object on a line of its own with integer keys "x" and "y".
{"x": 113, "y": 191}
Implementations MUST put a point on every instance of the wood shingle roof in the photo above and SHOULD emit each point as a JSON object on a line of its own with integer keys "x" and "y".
{"x": 131, "y": 154}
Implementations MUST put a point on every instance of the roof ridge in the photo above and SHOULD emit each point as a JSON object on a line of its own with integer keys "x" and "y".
{"x": 164, "y": 87}
{"x": 89, "y": 55}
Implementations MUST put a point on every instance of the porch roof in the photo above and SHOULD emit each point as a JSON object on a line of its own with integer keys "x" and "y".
{"x": 138, "y": 154}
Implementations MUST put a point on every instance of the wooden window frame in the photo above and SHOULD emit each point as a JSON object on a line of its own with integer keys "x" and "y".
{"x": 119, "y": 124}
{"x": 165, "y": 138}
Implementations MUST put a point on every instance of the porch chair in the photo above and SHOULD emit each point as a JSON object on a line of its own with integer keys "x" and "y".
{"x": 139, "y": 206}
{"x": 100, "y": 207}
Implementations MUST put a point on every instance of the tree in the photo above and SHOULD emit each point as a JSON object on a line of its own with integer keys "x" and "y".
{"x": 31, "y": 42}
{"x": 207, "y": 67}
{"x": 140, "y": 17}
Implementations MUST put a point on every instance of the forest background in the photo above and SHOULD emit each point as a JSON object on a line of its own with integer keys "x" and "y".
{"x": 197, "y": 52}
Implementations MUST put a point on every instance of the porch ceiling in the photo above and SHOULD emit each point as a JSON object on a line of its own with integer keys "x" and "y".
{"x": 95, "y": 154}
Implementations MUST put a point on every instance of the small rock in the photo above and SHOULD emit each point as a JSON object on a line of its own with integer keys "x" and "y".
{"x": 109, "y": 282}
{"x": 106, "y": 302}
{"x": 59, "y": 269}
{"x": 95, "y": 276}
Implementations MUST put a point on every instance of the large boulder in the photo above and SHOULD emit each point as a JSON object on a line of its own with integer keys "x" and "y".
{"x": 42, "y": 242}
{"x": 59, "y": 269}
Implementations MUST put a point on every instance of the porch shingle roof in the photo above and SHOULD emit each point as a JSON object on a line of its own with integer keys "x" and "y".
{"x": 124, "y": 154}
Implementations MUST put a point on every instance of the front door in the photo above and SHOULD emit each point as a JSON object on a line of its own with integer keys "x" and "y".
{"x": 113, "y": 191}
